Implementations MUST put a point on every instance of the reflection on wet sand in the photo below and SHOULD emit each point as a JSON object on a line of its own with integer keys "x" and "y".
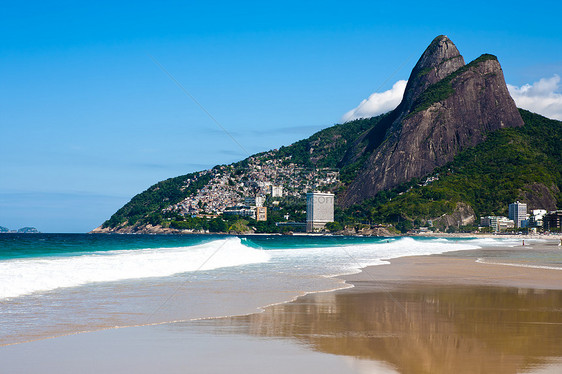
{"x": 422, "y": 329}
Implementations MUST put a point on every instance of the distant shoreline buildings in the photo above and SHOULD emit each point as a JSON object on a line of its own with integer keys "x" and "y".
{"x": 519, "y": 218}
{"x": 553, "y": 220}
{"x": 497, "y": 223}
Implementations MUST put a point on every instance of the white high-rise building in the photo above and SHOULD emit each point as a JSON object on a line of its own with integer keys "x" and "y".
{"x": 276, "y": 191}
{"x": 319, "y": 210}
{"x": 517, "y": 212}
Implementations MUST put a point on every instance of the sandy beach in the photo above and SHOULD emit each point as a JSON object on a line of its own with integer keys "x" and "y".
{"x": 422, "y": 314}
{"x": 443, "y": 270}
{"x": 432, "y": 314}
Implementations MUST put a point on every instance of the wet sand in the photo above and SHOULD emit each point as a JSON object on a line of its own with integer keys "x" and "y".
{"x": 443, "y": 270}
{"x": 423, "y": 328}
{"x": 431, "y": 314}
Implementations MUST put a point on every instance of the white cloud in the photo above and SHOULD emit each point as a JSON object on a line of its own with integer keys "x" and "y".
{"x": 541, "y": 97}
{"x": 378, "y": 103}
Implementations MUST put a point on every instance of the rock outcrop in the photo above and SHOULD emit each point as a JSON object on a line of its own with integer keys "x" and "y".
{"x": 539, "y": 196}
{"x": 447, "y": 107}
{"x": 140, "y": 229}
{"x": 439, "y": 60}
{"x": 462, "y": 215}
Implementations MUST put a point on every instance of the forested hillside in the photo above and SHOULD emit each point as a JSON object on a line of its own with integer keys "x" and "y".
{"x": 515, "y": 163}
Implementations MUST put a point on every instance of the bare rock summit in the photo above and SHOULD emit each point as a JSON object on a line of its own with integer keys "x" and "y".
{"x": 447, "y": 107}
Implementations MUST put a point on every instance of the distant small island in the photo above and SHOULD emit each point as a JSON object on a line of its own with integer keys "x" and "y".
{"x": 23, "y": 230}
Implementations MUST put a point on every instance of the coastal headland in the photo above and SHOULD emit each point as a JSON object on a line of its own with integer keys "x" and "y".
{"x": 456, "y": 155}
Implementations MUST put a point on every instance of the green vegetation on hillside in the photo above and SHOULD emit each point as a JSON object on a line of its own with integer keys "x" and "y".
{"x": 327, "y": 148}
{"x": 354, "y": 158}
{"x": 146, "y": 207}
{"x": 487, "y": 177}
{"x": 443, "y": 89}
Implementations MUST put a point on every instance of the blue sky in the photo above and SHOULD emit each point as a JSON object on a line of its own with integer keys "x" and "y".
{"x": 88, "y": 120}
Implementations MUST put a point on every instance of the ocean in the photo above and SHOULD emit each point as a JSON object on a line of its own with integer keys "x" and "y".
{"x": 59, "y": 284}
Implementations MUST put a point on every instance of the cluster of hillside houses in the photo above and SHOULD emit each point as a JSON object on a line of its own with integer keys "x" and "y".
{"x": 319, "y": 211}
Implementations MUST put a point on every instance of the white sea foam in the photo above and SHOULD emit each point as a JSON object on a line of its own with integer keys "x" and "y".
{"x": 25, "y": 276}
{"x": 238, "y": 279}
{"x": 348, "y": 259}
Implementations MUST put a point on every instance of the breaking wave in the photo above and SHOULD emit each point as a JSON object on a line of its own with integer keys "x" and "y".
{"x": 25, "y": 276}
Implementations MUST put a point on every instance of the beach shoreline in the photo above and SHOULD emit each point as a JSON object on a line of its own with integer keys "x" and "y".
{"x": 375, "y": 232}
{"x": 436, "y": 269}
{"x": 397, "y": 303}
{"x": 550, "y": 236}
{"x": 446, "y": 271}
{"x": 438, "y": 313}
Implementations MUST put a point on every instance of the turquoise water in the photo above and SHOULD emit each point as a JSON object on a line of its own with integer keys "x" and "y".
{"x": 32, "y": 263}
{"x": 43, "y": 245}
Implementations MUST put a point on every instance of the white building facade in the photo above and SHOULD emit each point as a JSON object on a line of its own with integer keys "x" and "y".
{"x": 319, "y": 210}
{"x": 276, "y": 191}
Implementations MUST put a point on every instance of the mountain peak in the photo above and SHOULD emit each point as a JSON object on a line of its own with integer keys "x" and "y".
{"x": 439, "y": 59}
{"x": 441, "y": 48}
{"x": 447, "y": 107}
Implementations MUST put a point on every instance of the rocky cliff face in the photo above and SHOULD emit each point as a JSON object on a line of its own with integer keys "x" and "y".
{"x": 447, "y": 107}
{"x": 439, "y": 60}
